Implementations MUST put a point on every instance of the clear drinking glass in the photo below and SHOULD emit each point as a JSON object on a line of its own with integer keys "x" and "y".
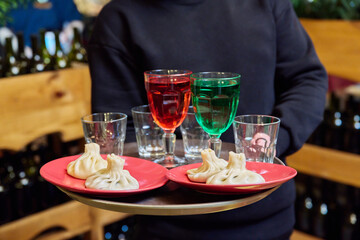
{"x": 106, "y": 129}
{"x": 168, "y": 93}
{"x": 215, "y": 97}
{"x": 148, "y": 133}
{"x": 195, "y": 139}
{"x": 256, "y": 137}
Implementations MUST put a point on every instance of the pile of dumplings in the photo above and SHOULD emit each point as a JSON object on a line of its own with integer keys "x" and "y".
{"x": 217, "y": 171}
{"x": 99, "y": 173}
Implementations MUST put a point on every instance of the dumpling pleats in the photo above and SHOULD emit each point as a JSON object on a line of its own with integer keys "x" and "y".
{"x": 210, "y": 165}
{"x": 235, "y": 173}
{"x": 88, "y": 163}
{"x": 114, "y": 177}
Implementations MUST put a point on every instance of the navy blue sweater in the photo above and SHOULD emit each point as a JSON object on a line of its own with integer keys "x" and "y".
{"x": 260, "y": 39}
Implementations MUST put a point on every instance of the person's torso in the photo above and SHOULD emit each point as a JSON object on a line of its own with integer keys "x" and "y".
{"x": 226, "y": 36}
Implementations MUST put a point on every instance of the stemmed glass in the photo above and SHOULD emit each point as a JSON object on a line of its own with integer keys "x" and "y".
{"x": 168, "y": 93}
{"x": 215, "y": 97}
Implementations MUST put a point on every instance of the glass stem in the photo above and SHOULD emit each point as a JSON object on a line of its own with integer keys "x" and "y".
{"x": 215, "y": 144}
{"x": 169, "y": 144}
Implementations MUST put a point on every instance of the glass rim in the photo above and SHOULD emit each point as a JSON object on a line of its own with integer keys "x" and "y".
{"x": 122, "y": 117}
{"x": 276, "y": 119}
{"x": 167, "y": 72}
{"x": 199, "y": 76}
{"x": 136, "y": 109}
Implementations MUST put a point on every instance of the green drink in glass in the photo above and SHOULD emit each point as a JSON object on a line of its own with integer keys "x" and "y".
{"x": 215, "y": 97}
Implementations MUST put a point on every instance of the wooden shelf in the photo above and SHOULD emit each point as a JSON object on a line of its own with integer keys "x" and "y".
{"x": 298, "y": 235}
{"x": 67, "y": 220}
{"x": 326, "y": 163}
{"x": 337, "y": 44}
{"x": 34, "y": 105}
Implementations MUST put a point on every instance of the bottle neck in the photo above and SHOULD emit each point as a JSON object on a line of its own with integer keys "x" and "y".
{"x": 34, "y": 45}
{"x": 42, "y": 41}
{"x": 42, "y": 38}
{"x": 57, "y": 41}
{"x": 77, "y": 38}
{"x": 8, "y": 47}
{"x": 20, "y": 39}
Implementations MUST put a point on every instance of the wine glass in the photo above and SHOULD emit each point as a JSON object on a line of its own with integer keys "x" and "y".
{"x": 168, "y": 93}
{"x": 215, "y": 97}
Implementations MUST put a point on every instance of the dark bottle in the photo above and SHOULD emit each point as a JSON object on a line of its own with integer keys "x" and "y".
{"x": 319, "y": 208}
{"x": 1, "y": 65}
{"x": 349, "y": 216}
{"x": 334, "y": 122}
{"x": 45, "y": 55}
{"x": 356, "y": 233}
{"x": 54, "y": 150}
{"x": 25, "y": 200}
{"x": 329, "y": 209}
{"x": 60, "y": 59}
{"x": 304, "y": 203}
{"x": 38, "y": 148}
{"x": 12, "y": 65}
{"x": 23, "y": 60}
{"x": 6, "y": 183}
{"x": 300, "y": 186}
{"x": 323, "y": 208}
{"x": 51, "y": 149}
{"x": 5, "y": 203}
{"x": 36, "y": 61}
{"x": 341, "y": 211}
{"x": 352, "y": 125}
{"x": 2, "y": 74}
{"x": 77, "y": 52}
{"x": 32, "y": 165}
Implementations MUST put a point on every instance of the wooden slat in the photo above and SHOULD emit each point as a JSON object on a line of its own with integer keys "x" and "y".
{"x": 337, "y": 43}
{"x": 72, "y": 216}
{"x": 298, "y": 235}
{"x": 326, "y": 163}
{"x": 34, "y": 105}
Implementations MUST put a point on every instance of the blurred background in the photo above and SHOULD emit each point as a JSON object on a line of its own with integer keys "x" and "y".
{"x": 45, "y": 89}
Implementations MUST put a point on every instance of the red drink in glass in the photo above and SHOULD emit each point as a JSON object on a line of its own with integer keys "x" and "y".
{"x": 169, "y": 100}
{"x": 168, "y": 92}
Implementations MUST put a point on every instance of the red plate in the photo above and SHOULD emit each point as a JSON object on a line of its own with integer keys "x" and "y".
{"x": 274, "y": 175}
{"x": 150, "y": 176}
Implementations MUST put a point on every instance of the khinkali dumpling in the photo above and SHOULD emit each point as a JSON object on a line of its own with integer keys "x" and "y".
{"x": 114, "y": 177}
{"x": 210, "y": 165}
{"x": 88, "y": 163}
{"x": 235, "y": 172}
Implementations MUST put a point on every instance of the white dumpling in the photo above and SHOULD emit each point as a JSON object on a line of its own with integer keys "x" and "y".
{"x": 210, "y": 165}
{"x": 88, "y": 163}
{"x": 235, "y": 172}
{"x": 114, "y": 177}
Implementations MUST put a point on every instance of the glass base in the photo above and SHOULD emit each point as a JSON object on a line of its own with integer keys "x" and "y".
{"x": 171, "y": 162}
{"x": 193, "y": 158}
